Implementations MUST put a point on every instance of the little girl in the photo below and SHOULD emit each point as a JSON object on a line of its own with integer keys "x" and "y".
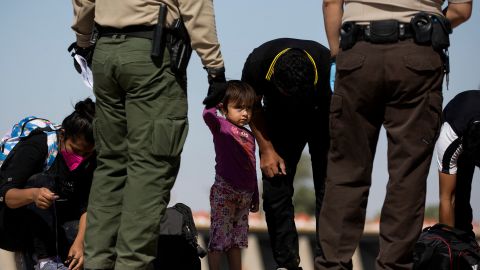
{"x": 235, "y": 191}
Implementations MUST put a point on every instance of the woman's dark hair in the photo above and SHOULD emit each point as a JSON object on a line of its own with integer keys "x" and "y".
{"x": 294, "y": 72}
{"x": 471, "y": 141}
{"x": 80, "y": 122}
{"x": 239, "y": 92}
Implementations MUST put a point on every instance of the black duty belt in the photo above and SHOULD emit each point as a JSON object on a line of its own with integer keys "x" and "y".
{"x": 380, "y": 34}
{"x": 387, "y": 31}
{"x": 139, "y": 31}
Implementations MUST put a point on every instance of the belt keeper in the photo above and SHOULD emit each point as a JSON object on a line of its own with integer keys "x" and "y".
{"x": 401, "y": 33}
{"x": 367, "y": 32}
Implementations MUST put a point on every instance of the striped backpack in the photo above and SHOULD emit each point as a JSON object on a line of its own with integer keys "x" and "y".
{"x": 22, "y": 130}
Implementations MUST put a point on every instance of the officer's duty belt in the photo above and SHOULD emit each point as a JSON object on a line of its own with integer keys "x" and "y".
{"x": 389, "y": 33}
{"x": 139, "y": 31}
{"x": 380, "y": 32}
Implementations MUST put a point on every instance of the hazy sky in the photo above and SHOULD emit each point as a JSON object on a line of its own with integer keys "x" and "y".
{"x": 37, "y": 76}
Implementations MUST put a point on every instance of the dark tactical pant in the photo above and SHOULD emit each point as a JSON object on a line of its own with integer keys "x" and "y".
{"x": 397, "y": 85}
{"x": 140, "y": 128}
{"x": 463, "y": 209}
{"x": 290, "y": 133}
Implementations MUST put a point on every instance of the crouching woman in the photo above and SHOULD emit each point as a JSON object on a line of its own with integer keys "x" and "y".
{"x": 43, "y": 211}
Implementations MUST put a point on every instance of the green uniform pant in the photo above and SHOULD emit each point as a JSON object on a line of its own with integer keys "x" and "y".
{"x": 140, "y": 128}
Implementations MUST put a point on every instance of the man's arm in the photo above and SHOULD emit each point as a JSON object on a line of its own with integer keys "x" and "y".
{"x": 332, "y": 16}
{"x": 458, "y": 13}
{"x": 199, "y": 19}
{"x": 270, "y": 162}
{"x": 447, "y": 184}
{"x": 83, "y": 21}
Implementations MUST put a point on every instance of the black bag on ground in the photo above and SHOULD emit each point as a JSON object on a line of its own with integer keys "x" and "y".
{"x": 443, "y": 247}
{"x": 177, "y": 244}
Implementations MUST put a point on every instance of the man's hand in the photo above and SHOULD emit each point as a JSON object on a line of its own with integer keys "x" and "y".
{"x": 254, "y": 207}
{"x": 272, "y": 164}
{"x": 43, "y": 197}
{"x": 216, "y": 90}
{"x": 86, "y": 53}
{"x": 75, "y": 255}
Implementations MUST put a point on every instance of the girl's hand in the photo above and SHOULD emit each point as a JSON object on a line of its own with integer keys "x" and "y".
{"x": 75, "y": 256}
{"x": 254, "y": 207}
{"x": 43, "y": 197}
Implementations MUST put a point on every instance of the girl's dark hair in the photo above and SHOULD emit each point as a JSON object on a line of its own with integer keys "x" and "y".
{"x": 80, "y": 121}
{"x": 239, "y": 92}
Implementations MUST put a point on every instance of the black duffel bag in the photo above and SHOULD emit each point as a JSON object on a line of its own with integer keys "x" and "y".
{"x": 178, "y": 247}
{"x": 441, "y": 247}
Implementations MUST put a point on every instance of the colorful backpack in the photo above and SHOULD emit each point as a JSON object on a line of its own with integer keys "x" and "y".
{"x": 23, "y": 129}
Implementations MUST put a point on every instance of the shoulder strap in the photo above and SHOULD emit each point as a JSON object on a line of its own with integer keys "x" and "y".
{"x": 52, "y": 145}
{"x": 188, "y": 222}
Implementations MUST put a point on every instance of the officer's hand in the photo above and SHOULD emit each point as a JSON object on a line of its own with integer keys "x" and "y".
{"x": 43, "y": 197}
{"x": 333, "y": 73}
{"x": 272, "y": 164}
{"x": 216, "y": 90}
{"x": 86, "y": 53}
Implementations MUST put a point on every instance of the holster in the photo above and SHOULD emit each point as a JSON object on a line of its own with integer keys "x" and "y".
{"x": 158, "y": 39}
{"x": 431, "y": 29}
{"x": 441, "y": 29}
{"x": 348, "y": 35}
{"x": 179, "y": 46}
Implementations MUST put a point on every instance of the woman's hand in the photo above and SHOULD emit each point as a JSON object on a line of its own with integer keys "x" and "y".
{"x": 43, "y": 198}
{"x": 75, "y": 255}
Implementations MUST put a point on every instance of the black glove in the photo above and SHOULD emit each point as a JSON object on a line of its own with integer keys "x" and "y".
{"x": 216, "y": 90}
{"x": 86, "y": 53}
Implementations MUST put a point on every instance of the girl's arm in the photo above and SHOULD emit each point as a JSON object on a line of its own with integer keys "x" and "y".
{"x": 211, "y": 119}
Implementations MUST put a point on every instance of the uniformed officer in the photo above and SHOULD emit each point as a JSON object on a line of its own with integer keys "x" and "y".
{"x": 141, "y": 121}
{"x": 292, "y": 78}
{"x": 390, "y": 73}
{"x": 458, "y": 153}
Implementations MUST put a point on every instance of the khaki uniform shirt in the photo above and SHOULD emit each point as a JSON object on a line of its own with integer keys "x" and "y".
{"x": 198, "y": 16}
{"x": 363, "y": 11}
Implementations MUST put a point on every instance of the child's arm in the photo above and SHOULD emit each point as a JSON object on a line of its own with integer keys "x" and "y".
{"x": 211, "y": 119}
